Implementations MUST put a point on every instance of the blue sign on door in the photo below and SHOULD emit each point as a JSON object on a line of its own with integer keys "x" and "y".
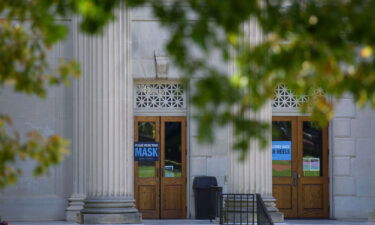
{"x": 281, "y": 150}
{"x": 146, "y": 151}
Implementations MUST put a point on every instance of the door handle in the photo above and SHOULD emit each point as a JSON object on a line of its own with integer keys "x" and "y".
{"x": 160, "y": 172}
{"x": 295, "y": 177}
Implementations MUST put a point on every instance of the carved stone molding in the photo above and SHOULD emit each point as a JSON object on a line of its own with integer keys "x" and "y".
{"x": 161, "y": 64}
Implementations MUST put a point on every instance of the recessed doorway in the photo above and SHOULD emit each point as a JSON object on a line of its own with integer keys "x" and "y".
{"x": 300, "y": 167}
{"x": 160, "y": 182}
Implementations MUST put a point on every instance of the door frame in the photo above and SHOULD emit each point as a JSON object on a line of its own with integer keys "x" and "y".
{"x": 297, "y": 136}
{"x": 184, "y": 157}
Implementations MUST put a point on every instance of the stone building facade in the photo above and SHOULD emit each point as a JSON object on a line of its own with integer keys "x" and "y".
{"x": 97, "y": 114}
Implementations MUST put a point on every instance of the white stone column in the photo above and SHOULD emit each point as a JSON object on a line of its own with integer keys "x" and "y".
{"x": 105, "y": 125}
{"x": 76, "y": 201}
{"x": 254, "y": 173}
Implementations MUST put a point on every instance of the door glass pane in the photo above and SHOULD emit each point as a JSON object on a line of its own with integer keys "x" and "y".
{"x": 173, "y": 151}
{"x": 281, "y": 148}
{"x": 146, "y": 133}
{"x": 312, "y": 149}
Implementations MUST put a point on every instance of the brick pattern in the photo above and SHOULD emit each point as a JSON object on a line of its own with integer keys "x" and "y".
{"x": 352, "y": 143}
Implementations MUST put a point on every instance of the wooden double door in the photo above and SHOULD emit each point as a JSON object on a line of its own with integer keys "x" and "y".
{"x": 300, "y": 167}
{"x": 160, "y": 185}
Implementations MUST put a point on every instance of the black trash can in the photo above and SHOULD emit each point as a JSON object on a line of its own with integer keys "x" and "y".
{"x": 206, "y": 194}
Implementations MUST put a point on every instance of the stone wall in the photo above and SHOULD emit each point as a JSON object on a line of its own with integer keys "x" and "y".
{"x": 42, "y": 198}
{"x": 148, "y": 38}
{"x": 207, "y": 159}
{"x": 352, "y": 144}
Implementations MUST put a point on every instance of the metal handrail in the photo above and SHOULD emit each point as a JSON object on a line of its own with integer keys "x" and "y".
{"x": 243, "y": 209}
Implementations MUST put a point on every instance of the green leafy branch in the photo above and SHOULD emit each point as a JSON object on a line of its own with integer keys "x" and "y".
{"x": 44, "y": 151}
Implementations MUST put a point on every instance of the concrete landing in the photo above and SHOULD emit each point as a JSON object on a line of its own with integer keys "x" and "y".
{"x": 207, "y": 222}
{"x": 328, "y": 222}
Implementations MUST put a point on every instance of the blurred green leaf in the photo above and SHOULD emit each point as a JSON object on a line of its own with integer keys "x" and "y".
{"x": 307, "y": 45}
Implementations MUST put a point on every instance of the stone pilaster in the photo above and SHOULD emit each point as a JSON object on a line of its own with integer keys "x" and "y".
{"x": 254, "y": 174}
{"x": 76, "y": 201}
{"x": 371, "y": 216}
{"x": 105, "y": 124}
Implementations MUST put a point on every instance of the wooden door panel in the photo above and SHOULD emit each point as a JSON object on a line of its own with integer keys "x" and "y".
{"x": 284, "y": 195}
{"x": 147, "y": 197}
{"x": 284, "y": 189}
{"x": 172, "y": 197}
{"x": 173, "y": 181}
{"x": 314, "y": 203}
{"x": 173, "y": 200}
{"x": 312, "y": 187}
{"x": 147, "y": 185}
{"x": 312, "y": 196}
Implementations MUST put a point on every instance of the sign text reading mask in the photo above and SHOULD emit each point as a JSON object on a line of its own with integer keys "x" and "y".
{"x": 146, "y": 151}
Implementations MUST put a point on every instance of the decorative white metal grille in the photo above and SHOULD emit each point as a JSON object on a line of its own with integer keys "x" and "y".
{"x": 160, "y": 96}
{"x": 286, "y": 101}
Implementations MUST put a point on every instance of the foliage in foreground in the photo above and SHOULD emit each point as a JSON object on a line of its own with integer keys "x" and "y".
{"x": 308, "y": 45}
{"x": 45, "y": 152}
